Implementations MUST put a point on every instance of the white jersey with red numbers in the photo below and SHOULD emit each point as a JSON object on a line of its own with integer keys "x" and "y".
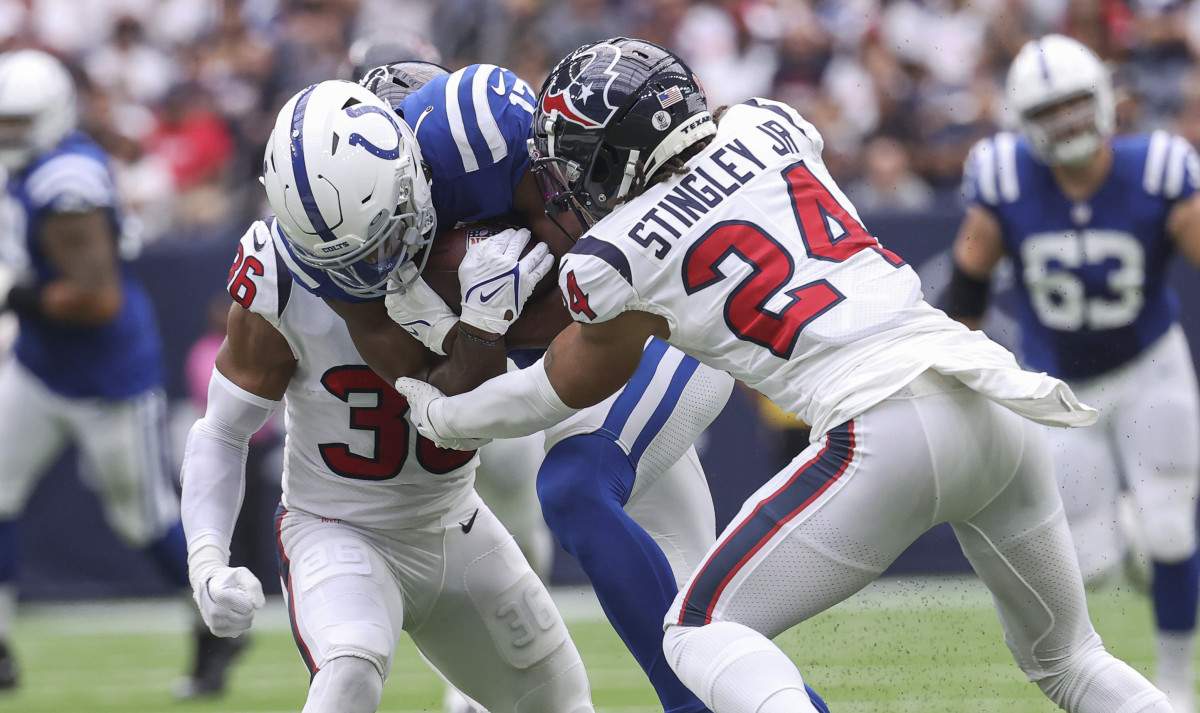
{"x": 351, "y": 451}
{"x": 762, "y": 268}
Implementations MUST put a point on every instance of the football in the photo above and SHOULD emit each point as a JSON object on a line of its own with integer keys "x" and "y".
{"x": 449, "y": 249}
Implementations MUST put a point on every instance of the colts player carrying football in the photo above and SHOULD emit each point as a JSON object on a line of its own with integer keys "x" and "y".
{"x": 733, "y": 243}
{"x": 1091, "y": 224}
{"x": 380, "y": 532}
{"x": 621, "y": 486}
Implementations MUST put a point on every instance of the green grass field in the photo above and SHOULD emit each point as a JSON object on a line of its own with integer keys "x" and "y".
{"x": 927, "y": 646}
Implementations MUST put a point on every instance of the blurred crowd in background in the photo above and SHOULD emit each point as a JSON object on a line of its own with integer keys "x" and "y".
{"x": 183, "y": 93}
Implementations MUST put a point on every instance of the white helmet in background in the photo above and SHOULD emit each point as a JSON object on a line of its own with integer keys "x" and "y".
{"x": 344, "y": 176}
{"x": 37, "y": 106}
{"x": 1063, "y": 95}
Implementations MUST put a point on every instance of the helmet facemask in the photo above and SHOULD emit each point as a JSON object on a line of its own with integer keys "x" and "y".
{"x": 374, "y": 267}
{"x": 1065, "y": 132}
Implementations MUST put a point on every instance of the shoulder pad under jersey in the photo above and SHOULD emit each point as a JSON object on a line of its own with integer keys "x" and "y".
{"x": 596, "y": 281}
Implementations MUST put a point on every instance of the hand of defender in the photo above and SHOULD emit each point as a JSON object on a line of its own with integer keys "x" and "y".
{"x": 496, "y": 281}
{"x": 228, "y": 600}
{"x": 422, "y": 314}
{"x": 420, "y": 396}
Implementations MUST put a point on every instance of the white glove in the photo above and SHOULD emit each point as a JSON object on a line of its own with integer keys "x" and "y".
{"x": 422, "y": 314}
{"x": 228, "y": 597}
{"x": 496, "y": 281}
{"x": 420, "y": 395}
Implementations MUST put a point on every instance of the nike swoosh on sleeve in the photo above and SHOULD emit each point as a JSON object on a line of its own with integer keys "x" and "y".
{"x": 499, "y": 88}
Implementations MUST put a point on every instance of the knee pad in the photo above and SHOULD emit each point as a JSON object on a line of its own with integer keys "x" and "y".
{"x": 524, "y": 624}
{"x": 346, "y": 684}
{"x": 731, "y": 667}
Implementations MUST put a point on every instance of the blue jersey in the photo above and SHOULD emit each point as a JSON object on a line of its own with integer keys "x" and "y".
{"x": 115, "y": 360}
{"x": 1091, "y": 276}
{"x": 472, "y": 127}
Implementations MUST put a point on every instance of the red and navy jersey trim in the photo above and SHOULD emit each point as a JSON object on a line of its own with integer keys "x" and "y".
{"x": 807, "y": 484}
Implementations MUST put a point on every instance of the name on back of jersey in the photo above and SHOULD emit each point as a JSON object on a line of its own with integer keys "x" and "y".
{"x": 709, "y": 182}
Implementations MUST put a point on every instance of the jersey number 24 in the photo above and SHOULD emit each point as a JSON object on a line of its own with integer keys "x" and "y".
{"x": 829, "y": 233}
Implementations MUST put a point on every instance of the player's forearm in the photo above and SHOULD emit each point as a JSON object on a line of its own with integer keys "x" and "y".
{"x": 518, "y": 403}
{"x": 214, "y": 463}
{"x": 474, "y": 358}
{"x": 65, "y": 302}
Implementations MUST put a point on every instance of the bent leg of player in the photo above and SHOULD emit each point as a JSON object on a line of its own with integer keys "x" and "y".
{"x": 603, "y": 457}
{"x": 1020, "y": 546}
{"x": 1157, "y": 433}
{"x": 831, "y": 522}
{"x": 487, "y": 623}
{"x": 32, "y": 433}
{"x": 346, "y": 608}
{"x": 506, "y": 479}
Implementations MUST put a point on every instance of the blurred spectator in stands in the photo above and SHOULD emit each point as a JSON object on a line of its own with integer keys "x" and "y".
{"x": 311, "y": 45}
{"x": 566, "y": 26}
{"x": 130, "y": 67}
{"x": 888, "y": 182}
{"x": 1159, "y": 60}
{"x": 194, "y": 142}
{"x": 144, "y": 180}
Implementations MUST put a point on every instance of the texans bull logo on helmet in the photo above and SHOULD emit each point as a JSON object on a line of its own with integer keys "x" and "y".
{"x": 581, "y": 93}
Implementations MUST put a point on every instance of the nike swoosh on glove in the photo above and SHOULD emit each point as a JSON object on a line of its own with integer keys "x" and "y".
{"x": 422, "y": 314}
{"x": 496, "y": 281}
{"x": 228, "y": 600}
{"x": 420, "y": 396}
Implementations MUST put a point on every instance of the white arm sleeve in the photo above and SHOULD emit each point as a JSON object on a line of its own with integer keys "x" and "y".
{"x": 515, "y": 404}
{"x": 214, "y": 468}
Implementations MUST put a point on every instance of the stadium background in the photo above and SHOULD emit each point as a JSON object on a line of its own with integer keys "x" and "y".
{"x": 183, "y": 94}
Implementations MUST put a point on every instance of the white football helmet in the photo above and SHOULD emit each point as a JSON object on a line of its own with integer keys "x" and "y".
{"x": 1063, "y": 96}
{"x": 344, "y": 176}
{"x": 37, "y": 106}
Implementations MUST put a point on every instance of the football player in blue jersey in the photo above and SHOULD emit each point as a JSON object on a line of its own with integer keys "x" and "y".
{"x": 1090, "y": 223}
{"x": 621, "y": 486}
{"x": 88, "y": 367}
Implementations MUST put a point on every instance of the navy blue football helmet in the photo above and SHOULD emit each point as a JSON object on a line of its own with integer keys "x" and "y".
{"x": 606, "y": 109}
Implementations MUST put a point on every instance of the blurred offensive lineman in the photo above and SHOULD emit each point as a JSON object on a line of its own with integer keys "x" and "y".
{"x": 88, "y": 367}
{"x": 380, "y": 531}
{"x": 621, "y": 485}
{"x": 734, "y": 244}
{"x": 1091, "y": 223}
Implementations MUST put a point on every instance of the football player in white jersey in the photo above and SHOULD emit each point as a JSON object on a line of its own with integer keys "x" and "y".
{"x": 379, "y": 530}
{"x": 1092, "y": 222}
{"x": 734, "y": 244}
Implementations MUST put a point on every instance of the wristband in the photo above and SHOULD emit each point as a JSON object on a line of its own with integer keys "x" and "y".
{"x": 476, "y": 338}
